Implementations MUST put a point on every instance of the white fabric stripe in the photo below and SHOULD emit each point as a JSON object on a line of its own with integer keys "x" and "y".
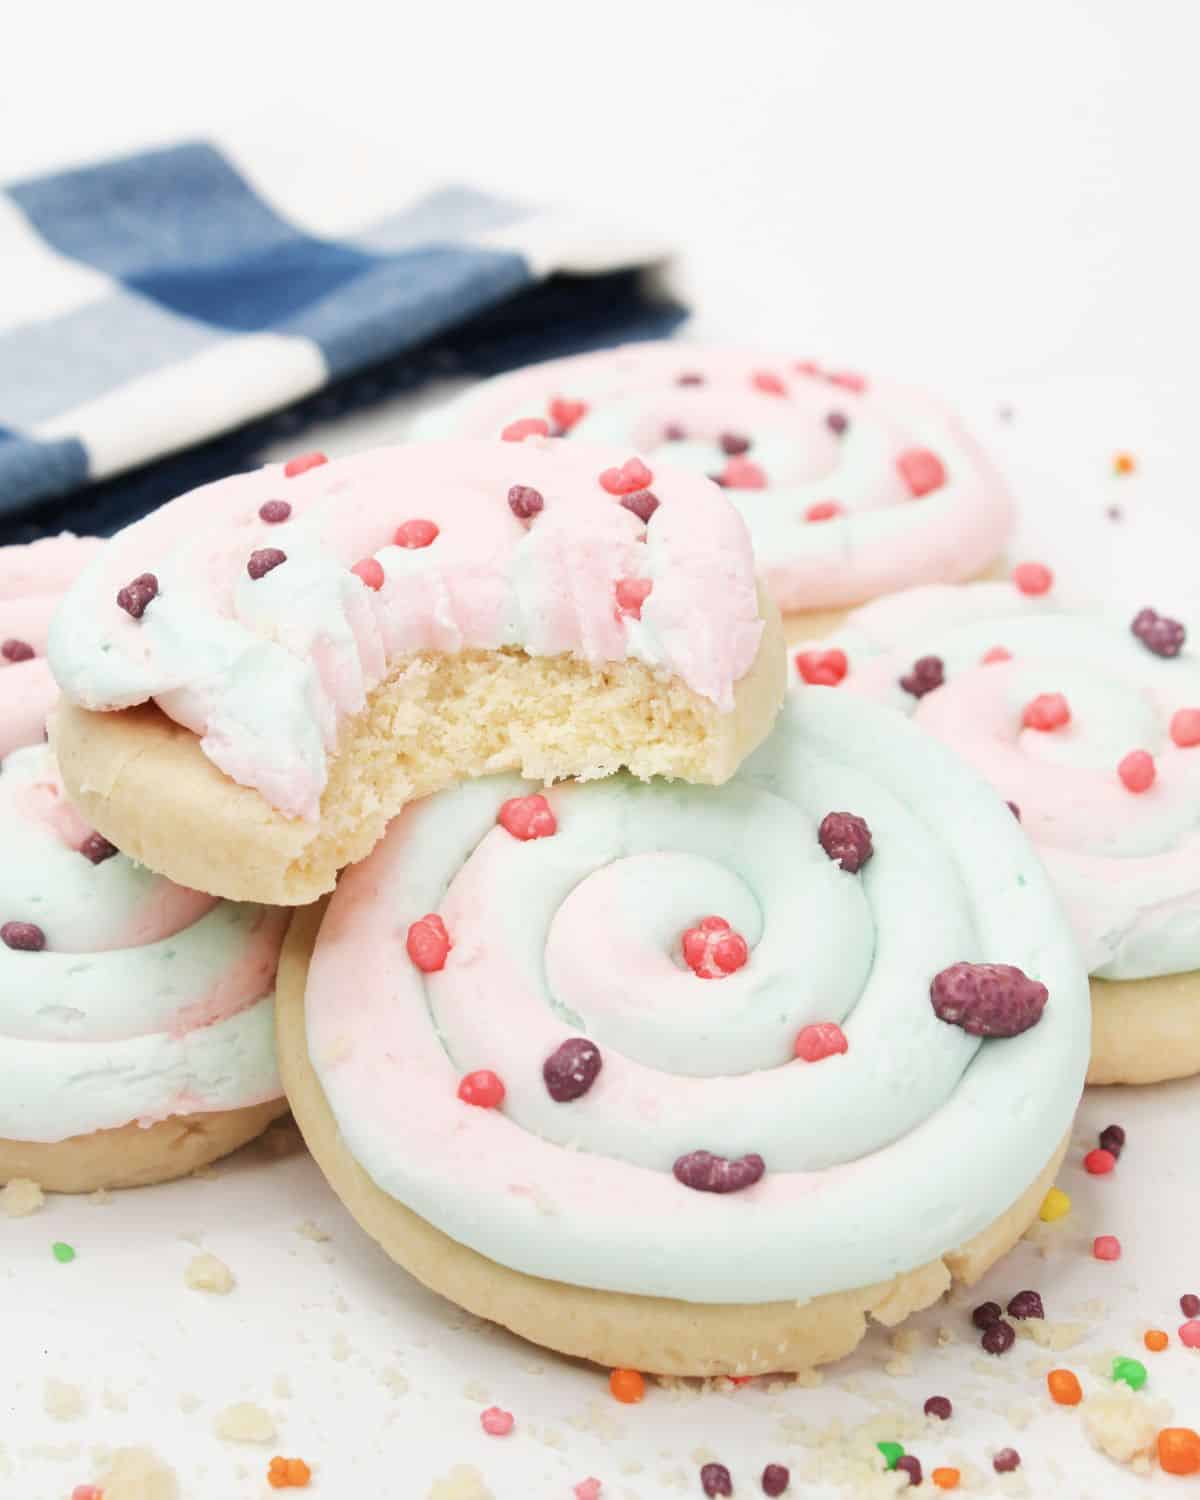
{"x": 36, "y": 282}
{"x": 561, "y": 240}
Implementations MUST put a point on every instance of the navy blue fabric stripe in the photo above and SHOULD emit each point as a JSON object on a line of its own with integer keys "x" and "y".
{"x": 31, "y": 470}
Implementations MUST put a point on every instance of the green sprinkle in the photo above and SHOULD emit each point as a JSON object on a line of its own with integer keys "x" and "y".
{"x": 65, "y": 1254}
{"x": 1131, "y": 1371}
{"x": 892, "y": 1453}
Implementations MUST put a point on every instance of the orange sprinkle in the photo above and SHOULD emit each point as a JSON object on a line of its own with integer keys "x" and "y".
{"x": 946, "y": 1479}
{"x": 1179, "y": 1450}
{"x": 1124, "y": 463}
{"x": 1064, "y": 1387}
{"x": 1156, "y": 1339}
{"x": 627, "y": 1386}
{"x": 288, "y": 1474}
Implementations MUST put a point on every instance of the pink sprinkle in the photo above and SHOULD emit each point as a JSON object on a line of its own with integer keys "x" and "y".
{"x": 301, "y": 465}
{"x": 415, "y": 534}
{"x": 1137, "y": 771}
{"x": 1106, "y": 1247}
{"x": 743, "y": 474}
{"x": 1185, "y": 727}
{"x": 86, "y": 1492}
{"x": 825, "y": 1039}
{"x": 428, "y": 943}
{"x": 1046, "y": 712}
{"x": 806, "y": 367}
{"x": 995, "y": 654}
{"x": 527, "y": 817}
{"x": 588, "y": 1489}
{"x": 525, "y": 427}
{"x": 712, "y": 950}
{"x": 1189, "y": 1333}
{"x": 770, "y": 384}
{"x": 370, "y": 570}
{"x": 848, "y": 381}
{"x": 823, "y": 510}
{"x": 1033, "y": 578}
{"x": 633, "y": 475}
{"x": 565, "y": 414}
{"x": 632, "y": 593}
{"x": 921, "y": 470}
{"x": 495, "y": 1422}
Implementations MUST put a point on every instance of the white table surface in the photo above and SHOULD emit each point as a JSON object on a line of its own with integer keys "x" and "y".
{"x": 997, "y": 201}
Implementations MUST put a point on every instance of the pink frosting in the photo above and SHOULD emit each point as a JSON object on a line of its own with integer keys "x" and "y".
{"x": 264, "y": 671}
{"x": 684, "y": 400}
{"x": 32, "y": 579}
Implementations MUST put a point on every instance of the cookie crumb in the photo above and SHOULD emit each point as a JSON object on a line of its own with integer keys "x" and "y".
{"x": 20, "y": 1197}
{"x": 138, "y": 1474}
{"x": 1124, "y": 1425}
{"x": 339, "y": 1347}
{"x": 464, "y": 1482}
{"x": 205, "y": 1273}
{"x": 310, "y": 1231}
{"x": 62, "y": 1401}
{"x": 188, "y": 1402}
{"x": 395, "y": 1380}
{"x": 114, "y": 1400}
{"x": 281, "y": 1386}
{"x": 244, "y": 1422}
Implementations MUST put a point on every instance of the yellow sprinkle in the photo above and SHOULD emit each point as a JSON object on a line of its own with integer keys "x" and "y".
{"x": 1055, "y": 1205}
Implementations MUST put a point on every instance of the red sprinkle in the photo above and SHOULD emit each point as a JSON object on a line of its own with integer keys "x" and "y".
{"x": 643, "y": 504}
{"x": 632, "y": 475}
{"x": 96, "y": 848}
{"x": 86, "y": 1492}
{"x": 370, "y": 570}
{"x": 1137, "y": 771}
{"x": 632, "y": 593}
{"x": 525, "y": 502}
{"x": 743, "y": 474}
{"x": 848, "y": 381}
{"x": 482, "y": 1088}
{"x": 24, "y": 937}
{"x": 940, "y": 1407}
{"x": 713, "y": 950}
{"x": 417, "y": 533}
{"x": 566, "y": 414}
{"x": 1046, "y": 712}
{"x": 922, "y": 471}
{"x": 1189, "y": 1333}
{"x": 1189, "y": 1305}
{"x": 822, "y": 668}
{"x": 733, "y": 443}
{"x": 994, "y": 654}
{"x": 825, "y": 1039}
{"x": 770, "y": 384}
{"x": 302, "y": 464}
{"x": 274, "y": 511}
{"x": 135, "y": 596}
{"x": 263, "y": 560}
{"x": 428, "y": 943}
{"x": 1106, "y": 1247}
{"x": 1099, "y": 1162}
{"x": 527, "y": 817}
{"x": 13, "y": 650}
{"x": 1033, "y": 578}
{"x": 1185, "y": 727}
{"x": 823, "y": 510}
{"x": 525, "y": 427}
{"x": 496, "y": 1423}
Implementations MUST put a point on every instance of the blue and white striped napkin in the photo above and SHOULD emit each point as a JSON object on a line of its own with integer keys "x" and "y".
{"x": 162, "y": 301}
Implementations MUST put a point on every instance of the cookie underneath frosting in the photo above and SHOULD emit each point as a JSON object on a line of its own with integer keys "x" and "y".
{"x": 615, "y": 1042}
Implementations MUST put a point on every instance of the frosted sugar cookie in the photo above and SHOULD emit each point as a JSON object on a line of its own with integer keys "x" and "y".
{"x": 263, "y": 672}
{"x": 851, "y": 487}
{"x": 135, "y": 1016}
{"x": 695, "y": 1080}
{"x": 1090, "y": 728}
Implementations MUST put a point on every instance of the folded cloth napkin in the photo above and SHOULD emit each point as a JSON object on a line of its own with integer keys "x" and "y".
{"x": 168, "y": 301}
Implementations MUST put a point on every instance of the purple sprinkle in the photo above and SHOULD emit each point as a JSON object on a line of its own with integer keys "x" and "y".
{"x": 571, "y": 1069}
{"x": 1026, "y": 1304}
{"x": 1189, "y": 1305}
{"x": 988, "y": 999}
{"x": 26, "y": 937}
{"x": 1163, "y": 636}
{"x": 1112, "y": 1138}
{"x": 673, "y": 433}
{"x": 939, "y": 1407}
{"x": 1006, "y": 1461}
{"x": 837, "y": 422}
{"x": 928, "y": 673}
{"x": 135, "y": 596}
{"x": 1014, "y": 809}
{"x": 775, "y": 1480}
{"x": 707, "y": 1173}
{"x": 97, "y": 848}
{"x": 263, "y": 560}
{"x": 986, "y": 1314}
{"x": 690, "y": 377}
{"x": 999, "y": 1338}
{"x": 910, "y": 1465}
{"x": 525, "y": 502}
{"x": 274, "y": 511}
{"x": 715, "y": 1480}
{"x": 643, "y": 503}
{"x": 14, "y": 650}
{"x": 846, "y": 839}
{"x": 734, "y": 443}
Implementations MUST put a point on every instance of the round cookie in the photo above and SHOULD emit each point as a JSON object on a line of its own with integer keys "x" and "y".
{"x": 32, "y": 580}
{"x": 262, "y": 673}
{"x": 559, "y": 1096}
{"x": 1049, "y": 705}
{"x": 852, "y": 488}
{"x": 136, "y": 1017}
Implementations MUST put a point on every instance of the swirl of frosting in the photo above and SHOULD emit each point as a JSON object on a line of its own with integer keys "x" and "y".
{"x": 279, "y": 599}
{"x": 122, "y": 997}
{"x": 1125, "y": 858}
{"x": 32, "y": 579}
{"x": 851, "y": 488}
{"x": 800, "y": 1122}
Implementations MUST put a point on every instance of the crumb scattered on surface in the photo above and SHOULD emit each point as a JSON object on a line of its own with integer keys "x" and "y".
{"x": 281, "y": 1386}
{"x": 244, "y": 1422}
{"x": 1050, "y": 1335}
{"x": 114, "y": 1400}
{"x": 464, "y": 1482}
{"x": 310, "y": 1231}
{"x": 206, "y": 1273}
{"x": 1123, "y": 1424}
{"x": 395, "y": 1380}
{"x": 138, "y": 1474}
{"x": 189, "y": 1402}
{"x": 62, "y": 1401}
{"x": 20, "y": 1197}
{"x": 339, "y": 1347}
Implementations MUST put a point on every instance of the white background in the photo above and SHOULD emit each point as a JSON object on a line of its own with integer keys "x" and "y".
{"x": 995, "y": 199}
